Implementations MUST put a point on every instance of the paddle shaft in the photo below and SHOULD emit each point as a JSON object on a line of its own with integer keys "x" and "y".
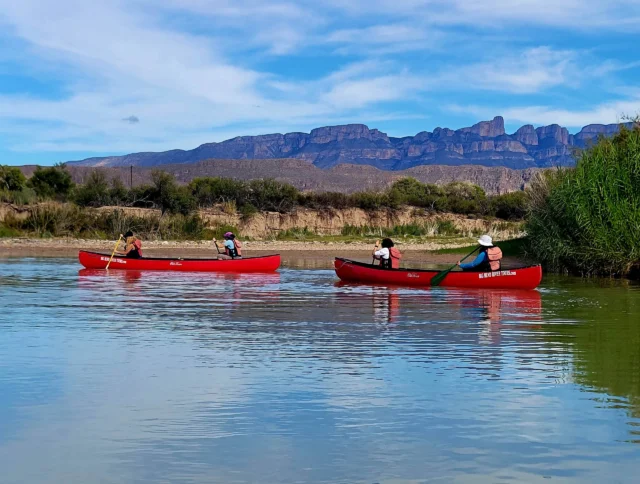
{"x": 114, "y": 251}
{"x": 437, "y": 279}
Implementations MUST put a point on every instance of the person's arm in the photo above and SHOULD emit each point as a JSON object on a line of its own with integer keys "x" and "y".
{"x": 218, "y": 246}
{"x": 376, "y": 248}
{"x": 125, "y": 251}
{"x": 382, "y": 253}
{"x": 480, "y": 258}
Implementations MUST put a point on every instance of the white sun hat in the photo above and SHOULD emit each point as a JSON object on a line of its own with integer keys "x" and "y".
{"x": 485, "y": 240}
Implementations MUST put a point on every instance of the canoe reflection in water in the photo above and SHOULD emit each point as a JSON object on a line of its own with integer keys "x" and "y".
{"x": 504, "y": 309}
{"x": 494, "y": 310}
{"x": 229, "y": 289}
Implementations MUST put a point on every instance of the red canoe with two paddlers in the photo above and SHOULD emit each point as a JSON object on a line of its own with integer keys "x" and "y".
{"x": 360, "y": 272}
{"x": 94, "y": 260}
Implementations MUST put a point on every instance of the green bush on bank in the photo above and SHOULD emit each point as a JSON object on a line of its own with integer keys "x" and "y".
{"x": 271, "y": 195}
{"x": 52, "y": 183}
{"x": 587, "y": 220}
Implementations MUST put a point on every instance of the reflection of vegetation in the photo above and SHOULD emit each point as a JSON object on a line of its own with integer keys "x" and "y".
{"x": 606, "y": 346}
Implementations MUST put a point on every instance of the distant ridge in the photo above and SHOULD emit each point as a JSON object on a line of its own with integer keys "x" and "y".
{"x": 484, "y": 143}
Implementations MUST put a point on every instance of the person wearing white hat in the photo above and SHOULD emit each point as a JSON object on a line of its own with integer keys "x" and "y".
{"x": 489, "y": 258}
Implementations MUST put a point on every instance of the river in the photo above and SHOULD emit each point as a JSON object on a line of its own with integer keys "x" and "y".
{"x": 291, "y": 377}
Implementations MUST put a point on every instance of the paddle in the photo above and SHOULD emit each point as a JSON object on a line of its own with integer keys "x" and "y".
{"x": 373, "y": 262}
{"x": 215, "y": 243}
{"x": 114, "y": 251}
{"x": 438, "y": 278}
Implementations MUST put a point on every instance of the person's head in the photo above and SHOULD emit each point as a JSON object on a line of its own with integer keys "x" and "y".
{"x": 229, "y": 236}
{"x": 129, "y": 236}
{"x": 387, "y": 243}
{"x": 485, "y": 241}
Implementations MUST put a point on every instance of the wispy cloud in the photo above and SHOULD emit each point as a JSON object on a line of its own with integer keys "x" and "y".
{"x": 605, "y": 113}
{"x": 526, "y": 72}
{"x": 197, "y": 70}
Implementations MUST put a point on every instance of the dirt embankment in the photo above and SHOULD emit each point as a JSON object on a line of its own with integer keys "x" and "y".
{"x": 268, "y": 225}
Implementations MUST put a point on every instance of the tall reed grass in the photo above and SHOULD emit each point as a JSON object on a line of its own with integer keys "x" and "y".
{"x": 587, "y": 220}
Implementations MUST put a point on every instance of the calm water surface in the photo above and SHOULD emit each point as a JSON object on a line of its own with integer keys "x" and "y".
{"x": 144, "y": 377}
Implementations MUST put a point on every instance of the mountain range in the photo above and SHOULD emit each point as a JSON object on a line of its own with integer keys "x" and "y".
{"x": 485, "y": 143}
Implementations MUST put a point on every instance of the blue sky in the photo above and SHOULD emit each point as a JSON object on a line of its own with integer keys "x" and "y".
{"x": 82, "y": 78}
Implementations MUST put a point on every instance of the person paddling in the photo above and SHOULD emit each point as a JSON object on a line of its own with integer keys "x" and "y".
{"x": 387, "y": 254}
{"x": 489, "y": 258}
{"x": 232, "y": 247}
{"x": 133, "y": 246}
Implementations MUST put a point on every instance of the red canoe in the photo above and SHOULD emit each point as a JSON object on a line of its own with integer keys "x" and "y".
{"x": 94, "y": 260}
{"x": 521, "y": 278}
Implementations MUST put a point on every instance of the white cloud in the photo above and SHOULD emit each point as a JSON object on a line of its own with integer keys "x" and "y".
{"x": 568, "y": 14}
{"x": 605, "y": 113}
{"x": 360, "y": 93}
{"x": 531, "y": 71}
{"x": 195, "y": 70}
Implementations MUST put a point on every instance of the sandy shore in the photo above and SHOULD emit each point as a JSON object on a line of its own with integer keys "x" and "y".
{"x": 307, "y": 254}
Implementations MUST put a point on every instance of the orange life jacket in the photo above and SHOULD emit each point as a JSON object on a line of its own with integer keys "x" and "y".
{"x": 395, "y": 256}
{"x": 136, "y": 246}
{"x": 494, "y": 254}
{"x": 236, "y": 251}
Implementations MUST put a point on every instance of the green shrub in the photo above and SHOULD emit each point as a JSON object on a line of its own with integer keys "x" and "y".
{"x": 465, "y": 198}
{"x": 11, "y": 179}
{"x": 296, "y": 233}
{"x": 212, "y": 190}
{"x": 409, "y": 191}
{"x": 47, "y": 220}
{"x": 52, "y": 183}
{"x": 94, "y": 192}
{"x": 371, "y": 200}
{"x": 247, "y": 211}
{"x": 272, "y": 195}
{"x": 587, "y": 220}
{"x": 510, "y": 206}
{"x": 118, "y": 193}
{"x": 6, "y": 232}
{"x": 221, "y": 229}
{"x": 169, "y": 197}
{"x": 447, "y": 227}
{"x": 362, "y": 231}
{"x": 323, "y": 200}
{"x": 25, "y": 196}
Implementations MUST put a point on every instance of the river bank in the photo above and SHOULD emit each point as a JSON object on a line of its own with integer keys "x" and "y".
{"x": 307, "y": 254}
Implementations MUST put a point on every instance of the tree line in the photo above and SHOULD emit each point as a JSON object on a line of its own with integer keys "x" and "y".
{"x": 249, "y": 197}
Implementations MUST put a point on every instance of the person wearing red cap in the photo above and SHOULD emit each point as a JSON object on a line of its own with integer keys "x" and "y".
{"x": 232, "y": 247}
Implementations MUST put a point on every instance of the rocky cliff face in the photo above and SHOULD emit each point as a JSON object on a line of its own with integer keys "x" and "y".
{"x": 485, "y": 143}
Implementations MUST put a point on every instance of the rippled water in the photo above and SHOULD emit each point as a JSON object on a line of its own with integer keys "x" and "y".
{"x": 291, "y": 377}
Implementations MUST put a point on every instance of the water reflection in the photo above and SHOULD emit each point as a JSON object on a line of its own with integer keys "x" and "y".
{"x": 602, "y": 329}
{"x": 156, "y": 377}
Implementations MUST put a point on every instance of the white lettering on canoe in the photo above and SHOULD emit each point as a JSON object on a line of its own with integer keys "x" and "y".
{"x": 487, "y": 275}
{"x": 413, "y": 275}
{"x": 119, "y": 261}
{"x": 175, "y": 264}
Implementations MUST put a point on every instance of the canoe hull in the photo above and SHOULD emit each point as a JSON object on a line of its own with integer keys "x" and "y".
{"x": 94, "y": 260}
{"x": 521, "y": 278}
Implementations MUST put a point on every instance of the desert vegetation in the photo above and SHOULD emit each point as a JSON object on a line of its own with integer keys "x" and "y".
{"x": 587, "y": 220}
